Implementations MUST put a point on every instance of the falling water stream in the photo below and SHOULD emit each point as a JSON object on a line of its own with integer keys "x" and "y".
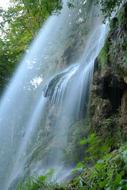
{"x": 48, "y": 94}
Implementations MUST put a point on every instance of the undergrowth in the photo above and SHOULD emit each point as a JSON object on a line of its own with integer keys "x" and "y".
{"x": 100, "y": 170}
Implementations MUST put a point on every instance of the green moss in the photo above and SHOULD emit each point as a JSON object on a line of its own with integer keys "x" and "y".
{"x": 103, "y": 57}
{"x": 74, "y": 152}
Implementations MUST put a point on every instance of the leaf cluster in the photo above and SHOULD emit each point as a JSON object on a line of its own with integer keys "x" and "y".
{"x": 18, "y": 26}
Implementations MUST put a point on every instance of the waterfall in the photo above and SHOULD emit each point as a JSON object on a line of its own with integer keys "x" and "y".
{"x": 48, "y": 94}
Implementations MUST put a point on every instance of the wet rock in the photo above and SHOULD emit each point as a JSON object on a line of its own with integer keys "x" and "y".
{"x": 108, "y": 106}
{"x": 110, "y": 87}
{"x": 103, "y": 110}
{"x": 123, "y": 118}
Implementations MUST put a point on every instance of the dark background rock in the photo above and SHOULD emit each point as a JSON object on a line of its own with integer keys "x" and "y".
{"x": 108, "y": 105}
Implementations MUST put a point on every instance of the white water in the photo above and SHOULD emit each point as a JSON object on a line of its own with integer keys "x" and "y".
{"x": 34, "y": 129}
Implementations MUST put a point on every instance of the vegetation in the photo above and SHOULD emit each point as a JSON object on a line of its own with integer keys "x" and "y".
{"x": 108, "y": 6}
{"x": 41, "y": 182}
{"x": 104, "y": 165}
{"x": 19, "y": 24}
{"x": 108, "y": 173}
{"x": 101, "y": 169}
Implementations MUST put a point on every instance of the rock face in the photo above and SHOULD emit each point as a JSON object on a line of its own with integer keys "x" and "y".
{"x": 109, "y": 91}
{"x": 123, "y": 117}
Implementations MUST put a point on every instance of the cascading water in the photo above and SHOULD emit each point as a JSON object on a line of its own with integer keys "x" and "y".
{"x": 37, "y": 112}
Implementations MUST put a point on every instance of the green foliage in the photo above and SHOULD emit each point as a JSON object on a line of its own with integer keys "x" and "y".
{"x": 77, "y": 131}
{"x": 118, "y": 50}
{"x": 99, "y": 170}
{"x": 108, "y": 173}
{"x": 95, "y": 148}
{"x": 39, "y": 183}
{"x": 108, "y": 6}
{"x": 18, "y": 26}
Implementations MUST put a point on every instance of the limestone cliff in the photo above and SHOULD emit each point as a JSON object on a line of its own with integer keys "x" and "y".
{"x": 109, "y": 90}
